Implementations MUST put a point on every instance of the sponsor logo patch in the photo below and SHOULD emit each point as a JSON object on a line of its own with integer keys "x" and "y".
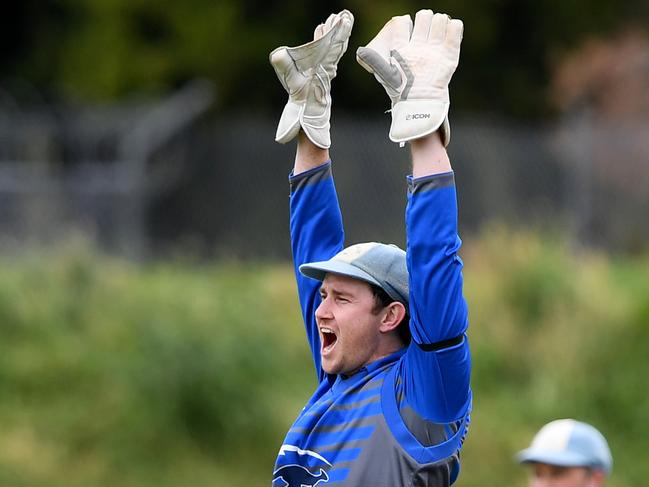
{"x": 417, "y": 116}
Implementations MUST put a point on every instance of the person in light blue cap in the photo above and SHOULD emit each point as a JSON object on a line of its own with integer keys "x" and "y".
{"x": 567, "y": 453}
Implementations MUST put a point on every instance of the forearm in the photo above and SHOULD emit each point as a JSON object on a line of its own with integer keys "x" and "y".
{"x": 308, "y": 155}
{"x": 315, "y": 222}
{"x": 316, "y": 234}
{"x": 438, "y": 309}
{"x": 429, "y": 156}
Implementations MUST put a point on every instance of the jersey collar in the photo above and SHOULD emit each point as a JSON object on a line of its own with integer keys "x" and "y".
{"x": 343, "y": 382}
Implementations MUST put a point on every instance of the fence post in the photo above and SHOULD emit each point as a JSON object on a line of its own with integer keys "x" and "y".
{"x": 142, "y": 139}
{"x": 577, "y": 136}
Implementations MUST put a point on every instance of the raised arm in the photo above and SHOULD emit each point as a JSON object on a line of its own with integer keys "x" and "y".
{"x": 316, "y": 225}
{"x": 436, "y": 379}
{"x": 415, "y": 63}
{"x": 316, "y": 229}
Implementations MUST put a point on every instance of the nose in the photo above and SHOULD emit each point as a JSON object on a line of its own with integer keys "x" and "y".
{"x": 540, "y": 481}
{"x": 323, "y": 311}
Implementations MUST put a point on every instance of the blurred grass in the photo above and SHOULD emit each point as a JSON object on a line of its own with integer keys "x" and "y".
{"x": 183, "y": 373}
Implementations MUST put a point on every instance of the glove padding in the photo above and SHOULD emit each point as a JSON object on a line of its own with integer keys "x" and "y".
{"x": 306, "y": 72}
{"x": 415, "y": 66}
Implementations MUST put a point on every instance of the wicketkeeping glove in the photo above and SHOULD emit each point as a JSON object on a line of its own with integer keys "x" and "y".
{"x": 306, "y": 72}
{"x": 415, "y": 65}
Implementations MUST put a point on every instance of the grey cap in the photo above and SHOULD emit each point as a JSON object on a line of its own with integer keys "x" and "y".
{"x": 569, "y": 443}
{"x": 380, "y": 264}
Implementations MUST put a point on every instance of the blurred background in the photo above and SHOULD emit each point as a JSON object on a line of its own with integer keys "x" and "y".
{"x": 149, "y": 327}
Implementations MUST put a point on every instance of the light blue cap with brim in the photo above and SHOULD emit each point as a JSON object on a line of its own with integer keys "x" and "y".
{"x": 569, "y": 443}
{"x": 383, "y": 265}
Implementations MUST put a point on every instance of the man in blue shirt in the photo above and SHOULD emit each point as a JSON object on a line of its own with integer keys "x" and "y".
{"x": 386, "y": 327}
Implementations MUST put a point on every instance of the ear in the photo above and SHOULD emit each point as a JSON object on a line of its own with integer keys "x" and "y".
{"x": 393, "y": 314}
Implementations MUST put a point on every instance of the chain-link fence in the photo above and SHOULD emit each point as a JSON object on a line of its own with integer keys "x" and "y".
{"x": 91, "y": 169}
{"x": 589, "y": 181}
{"x": 221, "y": 187}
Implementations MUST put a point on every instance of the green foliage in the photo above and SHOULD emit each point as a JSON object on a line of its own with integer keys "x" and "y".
{"x": 177, "y": 373}
{"x": 117, "y": 375}
{"x": 554, "y": 335}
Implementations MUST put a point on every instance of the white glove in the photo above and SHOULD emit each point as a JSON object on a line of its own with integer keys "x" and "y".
{"x": 415, "y": 65}
{"x": 306, "y": 72}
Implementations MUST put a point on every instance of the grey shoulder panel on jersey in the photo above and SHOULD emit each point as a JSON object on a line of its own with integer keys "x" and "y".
{"x": 384, "y": 462}
{"x": 426, "y": 432}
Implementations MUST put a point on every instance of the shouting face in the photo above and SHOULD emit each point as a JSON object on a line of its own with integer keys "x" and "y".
{"x": 353, "y": 332}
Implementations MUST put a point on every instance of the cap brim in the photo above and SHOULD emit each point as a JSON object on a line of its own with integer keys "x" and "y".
{"x": 551, "y": 457}
{"x": 318, "y": 270}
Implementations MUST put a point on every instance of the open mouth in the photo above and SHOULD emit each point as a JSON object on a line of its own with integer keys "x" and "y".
{"x": 329, "y": 339}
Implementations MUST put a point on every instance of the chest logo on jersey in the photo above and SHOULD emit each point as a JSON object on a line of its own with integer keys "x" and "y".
{"x": 298, "y": 476}
{"x": 295, "y": 475}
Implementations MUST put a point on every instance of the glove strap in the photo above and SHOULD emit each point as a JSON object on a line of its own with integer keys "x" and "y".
{"x": 413, "y": 119}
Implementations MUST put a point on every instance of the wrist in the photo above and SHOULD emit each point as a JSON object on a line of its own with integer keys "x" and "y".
{"x": 308, "y": 155}
{"x": 429, "y": 155}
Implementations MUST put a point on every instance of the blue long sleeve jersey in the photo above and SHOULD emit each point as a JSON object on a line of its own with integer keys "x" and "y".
{"x": 399, "y": 421}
